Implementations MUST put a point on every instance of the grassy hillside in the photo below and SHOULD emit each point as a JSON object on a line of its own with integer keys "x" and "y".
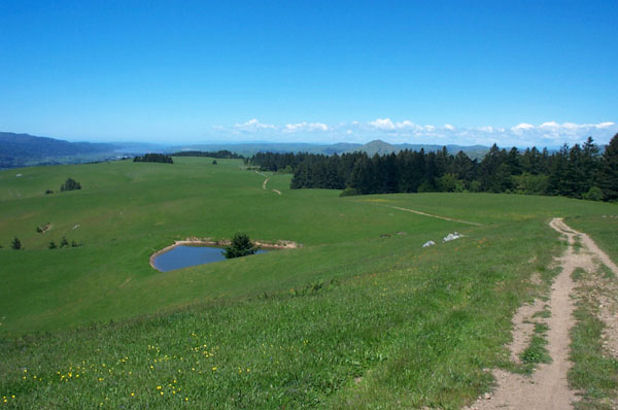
{"x": 360, "y": 315}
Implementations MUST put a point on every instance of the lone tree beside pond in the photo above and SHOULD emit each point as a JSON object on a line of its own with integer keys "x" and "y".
{"x": 241, "y": 246}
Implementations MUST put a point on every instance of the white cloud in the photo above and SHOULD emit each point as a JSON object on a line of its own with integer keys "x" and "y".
{"x": 254, "y": 124}
{"x": 572, "y": 126}
{"x": 406, "y": 124}
{"x": 549, "y": 133}
{"x": 523, "y": 126}
{"x": 388, "y": 124}
{"x": 550, "y": 124}
{"x": 306, "y": 126}
{"x": 606, "y": 124}
{"x": 383, "y": 124}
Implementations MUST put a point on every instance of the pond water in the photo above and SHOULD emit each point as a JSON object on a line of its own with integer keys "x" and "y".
{"x": 183, "y": 256}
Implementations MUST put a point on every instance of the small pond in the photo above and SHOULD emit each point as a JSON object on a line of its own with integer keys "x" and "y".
{"x": 183, "y": 256}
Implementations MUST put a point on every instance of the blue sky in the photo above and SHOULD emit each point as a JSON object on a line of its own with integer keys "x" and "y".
{"x": 511, "y": 72}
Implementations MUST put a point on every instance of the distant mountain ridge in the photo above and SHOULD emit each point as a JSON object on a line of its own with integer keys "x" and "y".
{"x": 21, "y": 150}
{"x": 371, "y": 148}
{"x": 18, "y": 150}
{"x": 382, "y": 148}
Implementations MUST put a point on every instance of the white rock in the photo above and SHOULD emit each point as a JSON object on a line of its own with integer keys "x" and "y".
{"x": 428, "y": 244}
{"x": 452, "y": 237}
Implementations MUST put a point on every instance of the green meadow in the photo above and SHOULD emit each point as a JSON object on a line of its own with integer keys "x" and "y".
{"x": 360, "y": 316}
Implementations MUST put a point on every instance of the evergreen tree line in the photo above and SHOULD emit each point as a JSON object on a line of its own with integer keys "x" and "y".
{"x": 222, "y": 154}
{"x": 166, "y": 159}
{"x": 580, "y": 171}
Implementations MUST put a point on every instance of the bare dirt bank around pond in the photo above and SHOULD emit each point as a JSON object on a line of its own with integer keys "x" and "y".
{"x": 194, "y": 241}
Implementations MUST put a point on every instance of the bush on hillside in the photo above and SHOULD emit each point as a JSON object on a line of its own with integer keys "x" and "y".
{"x": 70, "y": 185}
{"x": 241, "y": 246}
{"x": 349, "y": 191}
{"x": 594, "y": 194}
{"x": 16, "y": 244}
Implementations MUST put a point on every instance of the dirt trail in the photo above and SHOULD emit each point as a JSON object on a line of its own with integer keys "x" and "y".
{"x": 435, "y": 216}
{"x": 276, "y": 191}
{"x": 547, "y": 388}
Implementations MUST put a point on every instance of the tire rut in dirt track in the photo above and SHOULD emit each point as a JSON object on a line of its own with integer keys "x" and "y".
{"x": 548, "y": 388}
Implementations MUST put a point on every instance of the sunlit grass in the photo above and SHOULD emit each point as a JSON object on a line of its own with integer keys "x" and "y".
{"x": 360, "y": 316}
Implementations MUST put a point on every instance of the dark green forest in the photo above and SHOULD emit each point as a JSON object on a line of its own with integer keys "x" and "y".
{"x": 166, "y": 159}
{"x": 221, "y": 154}
{"x": 580, "y": 171}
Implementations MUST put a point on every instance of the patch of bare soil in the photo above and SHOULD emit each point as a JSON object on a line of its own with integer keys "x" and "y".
{"x": 548, "y": 388}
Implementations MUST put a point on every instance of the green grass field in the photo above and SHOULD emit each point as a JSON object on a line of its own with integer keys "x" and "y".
{"x": 360, "y": 317}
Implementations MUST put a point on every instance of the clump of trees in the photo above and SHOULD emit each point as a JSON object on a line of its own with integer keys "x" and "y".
{"x": 241, "y": 246}
{"x": 64, "y": 243}
{"x": 579, "y": 171}
{"x": 222, "y": 154}
{"x": 162, "y": 158}
{"x": 70, "y": 185}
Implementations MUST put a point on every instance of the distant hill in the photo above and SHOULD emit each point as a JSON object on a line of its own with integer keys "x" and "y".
{"x": 248, "y": 149}
{"x": 373, "y": 147}
{"x": 380, "y": 147}
{"x": 18, "y": 150}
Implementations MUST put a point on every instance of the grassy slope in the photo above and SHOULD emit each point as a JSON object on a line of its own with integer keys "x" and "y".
{"x": 412, "y": 326}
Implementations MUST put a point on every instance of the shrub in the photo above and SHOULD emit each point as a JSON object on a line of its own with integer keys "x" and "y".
{"x": 52, "y": 245}
{"x": 241, "y": 246}
{"x": 594, "y": 194}
{"x": 527, "y": 183}
{"x": 16, "y": 244}
{"x": 349, "y": 191}
{"x": 70, "y": 185}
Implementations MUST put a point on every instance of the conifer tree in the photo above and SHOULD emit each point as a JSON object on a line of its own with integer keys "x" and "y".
{"x": 241, "y": 246}
{"x": 16, "y": 244}
{"x": 607, "y": 178}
